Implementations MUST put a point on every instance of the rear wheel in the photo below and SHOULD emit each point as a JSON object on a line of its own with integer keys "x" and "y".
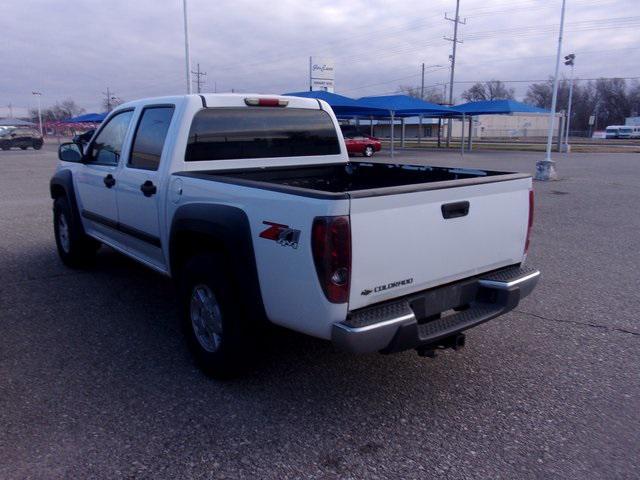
{"x": 5, "y": 147}
{"x": 23, "y": 148}
{"x": 75, "y": 248}
{"x": 368, "y": 151}
{"x": 37, "y": 145}
{"x": 215, "y": 323}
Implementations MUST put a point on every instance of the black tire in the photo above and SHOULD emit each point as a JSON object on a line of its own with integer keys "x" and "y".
{"x": 368, "y": 151}
{"x": 5, "y": 147}
{"x": 75, "y": 248}
{"x": 23, "y": 148}
{"x": 37, "y": 145}
{"x": 206, "y": 275}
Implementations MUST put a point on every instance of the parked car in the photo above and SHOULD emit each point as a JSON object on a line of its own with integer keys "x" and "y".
{"x": 613, "y": 131}
{"x": 362, "y": 144}
{"x": 252, "y": 205}
{"x": 22, "y": 137}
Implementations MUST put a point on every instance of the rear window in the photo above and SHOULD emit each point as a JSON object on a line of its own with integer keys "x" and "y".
{"x": 260, "y": 132}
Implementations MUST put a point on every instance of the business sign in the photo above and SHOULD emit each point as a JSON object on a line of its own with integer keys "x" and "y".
{"x": 321, "y": 74}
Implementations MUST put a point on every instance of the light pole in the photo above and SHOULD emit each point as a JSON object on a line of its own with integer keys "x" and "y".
{"x": 187, "y": 56}
{"x": 569, "y": 60}
{"x": 546, "y": 169}
{"x": 39, "y": 94}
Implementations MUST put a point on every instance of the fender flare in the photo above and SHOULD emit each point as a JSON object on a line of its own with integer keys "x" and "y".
{"x": 229, "y": 228}
{"x": 61, "y": 184}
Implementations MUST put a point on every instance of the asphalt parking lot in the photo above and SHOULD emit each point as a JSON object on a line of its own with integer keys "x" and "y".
{"x": 96, "y": 380}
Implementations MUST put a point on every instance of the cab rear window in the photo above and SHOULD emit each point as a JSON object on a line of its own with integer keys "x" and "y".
{"x": 260, "y": 132}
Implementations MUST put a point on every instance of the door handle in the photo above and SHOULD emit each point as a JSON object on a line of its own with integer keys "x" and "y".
{"x": 109, "y": 181}
{"x": 455, "y": 210}
{"x": 148, "y": 188}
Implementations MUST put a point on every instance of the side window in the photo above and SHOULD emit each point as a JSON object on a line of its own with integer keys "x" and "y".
{"x": 107, "y": 146}
{"x": 149, "y": 137}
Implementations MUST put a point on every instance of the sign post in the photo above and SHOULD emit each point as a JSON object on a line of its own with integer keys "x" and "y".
{"x": 321, "y": 74}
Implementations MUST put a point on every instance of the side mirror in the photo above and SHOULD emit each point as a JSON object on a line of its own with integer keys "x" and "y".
{"x": 70, "y": 152}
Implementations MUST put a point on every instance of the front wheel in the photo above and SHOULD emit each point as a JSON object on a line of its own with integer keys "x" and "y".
{"x": 23, "y": 148}
{"x": 75, "y": 248}
{"x": 37, "y": 145}
{"x": 368, "y": 151}
{"x": 215, "y": 324}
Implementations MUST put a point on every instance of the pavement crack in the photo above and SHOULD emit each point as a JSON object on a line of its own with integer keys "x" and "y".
{"x": 584, "y": 324}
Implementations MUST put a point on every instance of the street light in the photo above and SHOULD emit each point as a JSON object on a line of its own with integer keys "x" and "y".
{"x": 546, "y": 169}
{"x": 569, "y": 60}
{"x": 39, "y": 94}
{"x": 187, "y": 56}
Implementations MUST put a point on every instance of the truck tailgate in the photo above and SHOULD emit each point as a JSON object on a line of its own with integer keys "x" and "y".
{"x": 402, "y": 243}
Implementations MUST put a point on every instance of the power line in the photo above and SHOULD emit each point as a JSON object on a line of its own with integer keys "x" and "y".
{"x": 198, "y": 80}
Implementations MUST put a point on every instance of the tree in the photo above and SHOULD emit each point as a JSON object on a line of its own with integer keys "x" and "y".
{"x": 491, "y": 90}
{"x": 430, "y": 94}
{"x": 59, "y": 111}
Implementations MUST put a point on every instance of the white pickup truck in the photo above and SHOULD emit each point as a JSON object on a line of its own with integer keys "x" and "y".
{"x": 251, "y": 203}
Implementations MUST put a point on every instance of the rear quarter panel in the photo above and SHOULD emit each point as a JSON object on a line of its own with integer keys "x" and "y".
{"x": 291, "y": 293}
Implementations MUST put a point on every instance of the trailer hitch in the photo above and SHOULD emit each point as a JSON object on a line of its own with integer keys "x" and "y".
{"x": 455, "y": 342}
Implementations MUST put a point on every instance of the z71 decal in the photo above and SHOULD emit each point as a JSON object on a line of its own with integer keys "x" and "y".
{"x": 282, "y": 234}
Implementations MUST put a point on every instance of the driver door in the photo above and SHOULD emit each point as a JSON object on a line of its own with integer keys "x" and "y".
{"x": 95, "y": 179}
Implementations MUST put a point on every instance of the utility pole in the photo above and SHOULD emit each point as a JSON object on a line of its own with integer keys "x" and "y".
{"x": 10, "y": 110}
{"x": 456, "y": 20}
{"x": 422, "y": 85}
{"x": 39, "y": 94}
{"x": 109, "y": 97}
{"x": 546, "y": 169}
{"x": 187, "y": 55}
{"x": 198, "y": 75}
{"x": 569, "y": 60}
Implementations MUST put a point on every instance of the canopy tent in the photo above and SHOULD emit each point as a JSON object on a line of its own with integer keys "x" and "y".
{"x": 494, "y": 107}
{"x": 15, "y": 122}
{"x": 405, "y": 106}
{"x": 341, "y": 105}
{"x": 88, "y": 117}
{"x": 497, "y": 107}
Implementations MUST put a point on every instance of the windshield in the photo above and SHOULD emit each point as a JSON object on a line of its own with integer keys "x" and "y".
{"x": 612, "y": 129}
{"x": 5, "y": 131}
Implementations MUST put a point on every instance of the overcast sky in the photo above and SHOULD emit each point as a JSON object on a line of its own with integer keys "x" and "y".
{"x": 76, "y": 49}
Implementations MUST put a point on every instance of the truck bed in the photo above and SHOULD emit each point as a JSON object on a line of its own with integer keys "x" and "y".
{"x": 355, "y": 179}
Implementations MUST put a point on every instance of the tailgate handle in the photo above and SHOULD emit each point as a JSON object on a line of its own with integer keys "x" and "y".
{"x": 455, "y": 210}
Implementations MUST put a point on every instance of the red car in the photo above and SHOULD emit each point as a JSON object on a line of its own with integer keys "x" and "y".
{"x": 364, "y": 144}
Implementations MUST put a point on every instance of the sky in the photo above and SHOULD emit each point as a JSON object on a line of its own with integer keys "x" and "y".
{"x": 77, "y": 48}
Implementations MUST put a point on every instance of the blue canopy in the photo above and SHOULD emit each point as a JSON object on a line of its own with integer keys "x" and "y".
{"x": 341, "y": 105}
{"x": 489, "y": 107}
{"x": 89, "y": 117}
{"x": 405, "y": 106}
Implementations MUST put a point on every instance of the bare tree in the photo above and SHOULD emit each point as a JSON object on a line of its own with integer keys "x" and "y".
{"x": 59, "y": 111}
{"x": 430, "y": 94}
{"x": 491, "y": 90}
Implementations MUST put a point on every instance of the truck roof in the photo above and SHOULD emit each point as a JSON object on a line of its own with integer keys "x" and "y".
{"x": 228, "y": 100}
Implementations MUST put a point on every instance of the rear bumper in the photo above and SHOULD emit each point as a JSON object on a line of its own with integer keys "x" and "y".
{"x": 426, "y": 318}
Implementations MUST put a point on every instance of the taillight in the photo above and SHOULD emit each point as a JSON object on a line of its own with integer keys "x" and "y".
{"x": 331, "y": 247}
{"x": 266, "y": 102}
{"x": 530, "y": 223}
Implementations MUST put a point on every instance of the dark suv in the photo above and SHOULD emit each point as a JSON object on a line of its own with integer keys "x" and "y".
{"x": 23, "y": 137}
